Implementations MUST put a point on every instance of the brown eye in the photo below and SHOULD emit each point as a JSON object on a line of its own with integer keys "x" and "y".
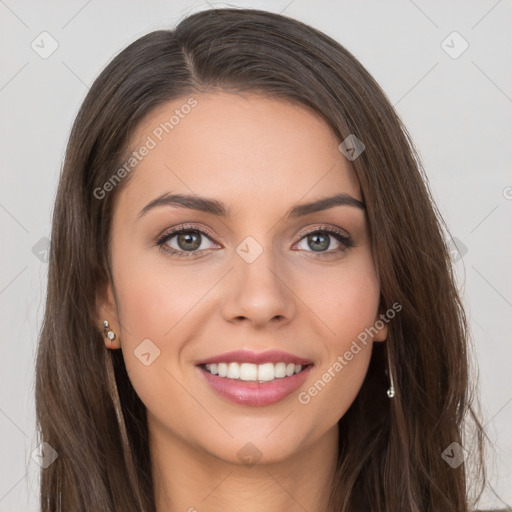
{"x": 320, "y": 241}
{"x": 188, "y": 240}
{"x": 184, "y": 241}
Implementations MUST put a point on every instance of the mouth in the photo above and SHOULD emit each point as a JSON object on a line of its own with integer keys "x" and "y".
{"x": 250, "y": 372}
{"x": 254, "y": 385}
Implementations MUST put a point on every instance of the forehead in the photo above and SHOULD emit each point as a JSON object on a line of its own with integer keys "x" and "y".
{"x": 244, "y": 150}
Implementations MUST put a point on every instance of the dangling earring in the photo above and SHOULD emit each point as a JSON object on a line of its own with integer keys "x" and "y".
{"x": 391, "y": 390}
{"x": 107, "y": 332}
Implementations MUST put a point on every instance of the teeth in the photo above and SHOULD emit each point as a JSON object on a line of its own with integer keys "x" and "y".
{"x": 233, "y": 371}
{"x": 279, "y": 370}
{"x": 254, "y": 372}
{"x": 223, "y": 369}
{"x": 248, "y": 371}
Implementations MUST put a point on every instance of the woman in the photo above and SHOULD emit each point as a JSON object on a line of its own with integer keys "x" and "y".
{"x": 243, "y": 214}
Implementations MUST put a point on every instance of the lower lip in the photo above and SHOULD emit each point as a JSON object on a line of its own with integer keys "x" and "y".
{"x": 255, "y": 393}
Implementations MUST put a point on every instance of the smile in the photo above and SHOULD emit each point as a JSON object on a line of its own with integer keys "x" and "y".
{"x": 254, "y": 391}
{"x": 266, "y": 372}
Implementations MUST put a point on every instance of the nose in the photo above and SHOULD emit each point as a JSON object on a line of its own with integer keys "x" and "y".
{"x": 258, "y": 293}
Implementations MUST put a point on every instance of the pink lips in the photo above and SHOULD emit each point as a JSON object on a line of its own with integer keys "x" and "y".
{"x": 250, "y": 392}
{"x": 255, "y": 393}
{"x": 245, "y": 356}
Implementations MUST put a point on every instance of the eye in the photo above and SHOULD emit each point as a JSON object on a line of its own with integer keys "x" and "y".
{"x": 320, "y": 239}
{"x": 189, "y": 241}
{"x": 184, "y": 241}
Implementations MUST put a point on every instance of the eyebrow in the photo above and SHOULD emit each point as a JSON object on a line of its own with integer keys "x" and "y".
{"x": 203, "y": 204}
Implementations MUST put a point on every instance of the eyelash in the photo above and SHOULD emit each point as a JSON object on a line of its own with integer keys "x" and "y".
{"x": 345, "y": 240}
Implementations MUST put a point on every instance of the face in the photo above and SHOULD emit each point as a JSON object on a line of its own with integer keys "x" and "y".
{"x": 250, "y": 272}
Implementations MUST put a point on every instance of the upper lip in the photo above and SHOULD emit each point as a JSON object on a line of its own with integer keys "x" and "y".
{"x": 246, "y": 356}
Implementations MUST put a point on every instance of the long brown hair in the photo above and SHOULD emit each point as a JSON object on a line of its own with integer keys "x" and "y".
{"x": 390, "y": 451}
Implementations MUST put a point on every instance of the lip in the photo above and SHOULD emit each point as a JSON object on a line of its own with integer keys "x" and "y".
{"x": 246, "y": 356}
{"x": 256, "y": 394}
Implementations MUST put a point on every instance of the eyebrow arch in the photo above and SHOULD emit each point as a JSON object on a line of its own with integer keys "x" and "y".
{"x": 324, "y": 204}
{"x": 195, "y": 202}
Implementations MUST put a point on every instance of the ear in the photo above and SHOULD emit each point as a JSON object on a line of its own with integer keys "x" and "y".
{"x": 106, "y": 309}
{"x": 381, "y": 325}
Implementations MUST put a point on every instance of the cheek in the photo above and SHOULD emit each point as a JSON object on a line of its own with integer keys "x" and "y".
{"x": 346, "y": 302}
{"x": 152, "y": 295}
{"x": 152, "y": 309}
{"x": 345, "y": 299}
{"x": 157, "y": 304}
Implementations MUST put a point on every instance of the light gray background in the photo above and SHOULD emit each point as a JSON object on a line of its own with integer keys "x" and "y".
{"x": 458, "y": 111}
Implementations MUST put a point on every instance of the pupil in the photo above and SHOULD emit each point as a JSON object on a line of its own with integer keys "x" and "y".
{"x": 313, "y": 241}
{"x": 189, "y": 241}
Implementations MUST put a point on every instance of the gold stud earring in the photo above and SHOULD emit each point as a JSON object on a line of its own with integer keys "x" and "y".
{"x": 108, "y": 332}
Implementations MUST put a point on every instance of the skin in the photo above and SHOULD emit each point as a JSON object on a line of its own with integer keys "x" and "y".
{"x": 260, "y": 157}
